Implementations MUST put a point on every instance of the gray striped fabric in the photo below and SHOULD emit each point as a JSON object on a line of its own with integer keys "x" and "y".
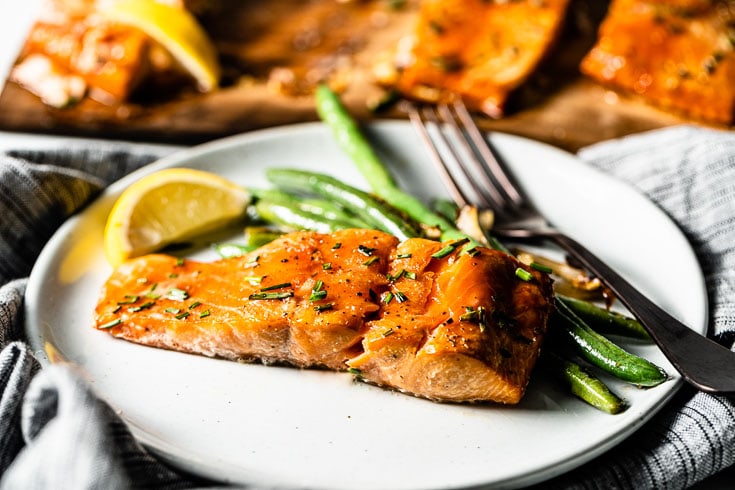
{"x": 55, "y": 434}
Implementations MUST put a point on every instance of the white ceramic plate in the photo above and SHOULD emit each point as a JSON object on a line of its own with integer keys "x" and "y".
{"x": 293, "y": 428}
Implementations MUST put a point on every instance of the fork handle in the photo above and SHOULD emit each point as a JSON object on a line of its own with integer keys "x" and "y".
{"x": 702, "y": 362}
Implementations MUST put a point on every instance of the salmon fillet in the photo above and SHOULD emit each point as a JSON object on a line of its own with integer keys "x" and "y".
{"x": 108, "y": 56}
{"x": 479, "y": 50}
{"x": 677, "y": 54}
{"x": 457, "y": 328}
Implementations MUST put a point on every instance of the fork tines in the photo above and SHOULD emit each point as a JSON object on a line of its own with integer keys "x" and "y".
{"x": 470, "y": 168}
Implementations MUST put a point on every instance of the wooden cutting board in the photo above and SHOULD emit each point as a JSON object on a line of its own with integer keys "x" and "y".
{"x": 308, "y": 40}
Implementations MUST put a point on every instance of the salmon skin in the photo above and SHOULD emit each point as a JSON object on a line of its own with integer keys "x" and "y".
{"x": 434, "y": 322}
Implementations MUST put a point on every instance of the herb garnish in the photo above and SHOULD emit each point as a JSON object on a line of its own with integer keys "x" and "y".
{"x": 144, "y": 306}
{"x": 111, "y": 324}
{"x": 540, "y": 267}
{"x": 277, "y": 295}
{"x": 324, "y": 307}
{"x": 449, "y": 248}
{"x": 523, "y": 274}
{"x": 371, "y": 260}
{"x": 365, "y": 250}
{"x": 317, "y": 292}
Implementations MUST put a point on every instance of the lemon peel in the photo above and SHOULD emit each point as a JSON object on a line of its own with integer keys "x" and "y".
{"x": 169, "y": 206}
{"x": 177, "y": 30}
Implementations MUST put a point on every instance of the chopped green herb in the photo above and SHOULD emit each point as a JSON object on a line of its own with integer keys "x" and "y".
{"x": 253, "y": 262}
{"x": 111, "y": 324}
{"x": 371, "y": 260}
{"x": 365, "y": 250}
{"x": 542, "y": 268}
{"x": 336, "y": 246}
{"x": 449, "y": 248}
{"x": 179, "y": 261}
{"x": 388, "y": 297}
{"x": 523, "y": 274}
{"x": 173, "y": 275}
{"x": 173, "y": 311}
{"x": 410, "y": 275}
{"x": 327, "y": 266}
{"x": 194, "y": 305}
{"x": 116, "y": 309}
{"x": 129, "y": 299}
{"x": 279, "y": 295}
{"x": 473, "y": 251}
{"x": 324, "y": 307}
{"x": 476, "y": 315}
{"x": 354, "y": 371}
{"x": 388, "y": 332}
{"x": 144, "y": 306}
{"x": 317, "y": 293}
{"x": 182, "y": 315}
{"x": 398, "y": 275}
{"x": 400, "y": 297}
{"x": 204, "y": 314}
{"x": 403, "y": 256}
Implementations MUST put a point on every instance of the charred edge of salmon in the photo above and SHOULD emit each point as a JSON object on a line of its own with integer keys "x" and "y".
{"x": 458, "y": 328}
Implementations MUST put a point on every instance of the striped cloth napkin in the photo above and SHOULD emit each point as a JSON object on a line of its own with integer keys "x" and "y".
{"x": 54, "y": 433}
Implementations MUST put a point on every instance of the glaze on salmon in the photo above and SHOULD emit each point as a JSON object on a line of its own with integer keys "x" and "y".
{"x": 461, "y": 327}
{"x": 478, "y": 50}
{"x": 677, "y": 54}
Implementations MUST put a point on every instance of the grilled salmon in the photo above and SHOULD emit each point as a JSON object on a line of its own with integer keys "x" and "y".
{"x": 677, "y": 54}
{"x": 419, "y": 316}
{"x": 479, "y": 50}
{"x": 109, "y": 57}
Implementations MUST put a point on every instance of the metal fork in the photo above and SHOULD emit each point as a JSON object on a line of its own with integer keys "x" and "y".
{"x": 468, "y": 164}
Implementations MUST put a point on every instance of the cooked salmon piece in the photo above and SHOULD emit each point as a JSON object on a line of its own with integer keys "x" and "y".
{"x": 457, "y": 327}
{"x": 676, "y": 54}
{"x": 110, "y": 57}
{"x": 478, "y": 50}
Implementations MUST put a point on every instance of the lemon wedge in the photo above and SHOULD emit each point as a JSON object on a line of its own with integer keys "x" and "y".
{"x": 169, "y": 206}
{"x": 177, "y": 30}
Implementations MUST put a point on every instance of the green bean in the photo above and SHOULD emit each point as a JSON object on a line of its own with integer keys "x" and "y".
{"x": 284, "y": 214}
{"x": 446, "y": 208}
{"x": 321, "y": 207}
{"x": 605, "y": 321}
{"x": 379, "y": 214}
{"x": 353, "y": 142}
{"x": 603, "y": 353}
{"x": 583, "y": 384}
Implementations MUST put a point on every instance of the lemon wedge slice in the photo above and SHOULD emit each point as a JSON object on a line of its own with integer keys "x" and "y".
{"x": 177, "y": 30}
{"x": 169, "y": 206}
